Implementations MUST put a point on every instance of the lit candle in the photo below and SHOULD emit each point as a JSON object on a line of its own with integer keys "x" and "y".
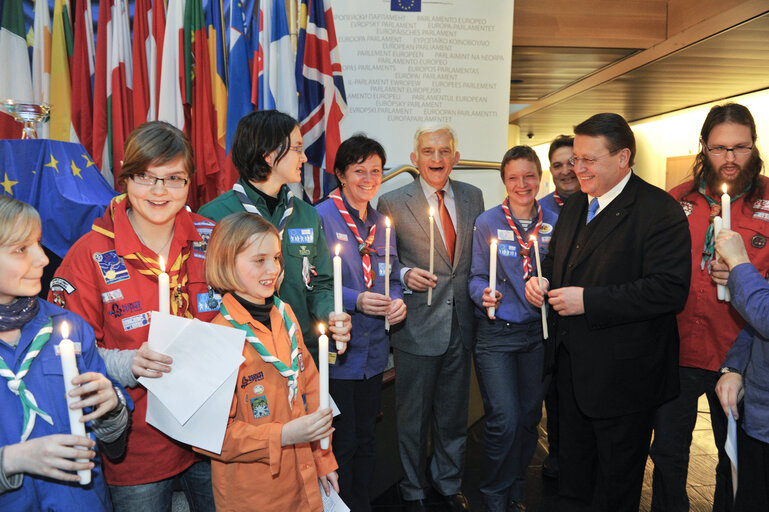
{"x": 338, "y": 307}
{"x": 432, "y": 254}
{"x": 323, "y": 374}
{"x": 541, "y": 286}
{"x": 721, "y": 290}
{"x": 726, "y": 209}
{"x": 387, "y": 266}
{"x": 493, "y": 274}
{"x": 164, "y": 289}
{"x": 69, "y": 371}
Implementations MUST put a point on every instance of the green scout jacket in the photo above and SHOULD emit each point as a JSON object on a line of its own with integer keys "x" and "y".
{"x": 303, "y": 237}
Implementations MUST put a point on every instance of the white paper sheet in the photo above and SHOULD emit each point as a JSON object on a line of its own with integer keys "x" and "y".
{"x": 731, "y": 448}
{"x": 332, "y": 503}
{"x": 204, "y": 356}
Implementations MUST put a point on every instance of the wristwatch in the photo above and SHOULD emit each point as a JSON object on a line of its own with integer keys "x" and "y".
{"x": 729, "y": 369}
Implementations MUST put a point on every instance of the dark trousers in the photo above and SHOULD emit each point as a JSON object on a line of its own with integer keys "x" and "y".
{"x": 551, "y": 407}
{"x": 673, "y": 426}
{"x": 432, "y": 394}
{"x": 752, "y": 475}
{"x": 353, "y": 439}
{"x": 602, "y": 460}
{"x": 509, "y": 360}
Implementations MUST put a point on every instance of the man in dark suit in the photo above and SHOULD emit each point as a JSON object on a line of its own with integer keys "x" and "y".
{"x": 432, "y": 347}
{"x": 618, "y": 268}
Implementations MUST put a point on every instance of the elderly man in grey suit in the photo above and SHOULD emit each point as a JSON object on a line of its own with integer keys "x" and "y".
{"x": 432, "y": 348}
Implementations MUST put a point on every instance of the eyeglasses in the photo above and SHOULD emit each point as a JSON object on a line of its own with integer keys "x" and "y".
{"x": 149, "y": 180}
{"x": 737, "y": 150}
{"x": 298, "y": 149}
{"x": 591, "y": 161}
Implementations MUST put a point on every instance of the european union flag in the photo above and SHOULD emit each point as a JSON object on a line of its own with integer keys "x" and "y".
{"x": 61, "y": 181}
{"x": 406, "y": 5}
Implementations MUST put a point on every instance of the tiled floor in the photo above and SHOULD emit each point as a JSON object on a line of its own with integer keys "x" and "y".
{"x": 540, "y": 492}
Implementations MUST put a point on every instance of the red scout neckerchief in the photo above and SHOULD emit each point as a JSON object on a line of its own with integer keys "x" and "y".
{"x": 364, "y": 247}
{"x": 557, "y": 198}
{"x": 177, "y": 272}
{"x": 525, "y": 245}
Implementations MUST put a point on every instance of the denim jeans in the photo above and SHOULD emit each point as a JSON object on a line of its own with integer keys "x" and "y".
{"x": 157, "y": 496}
{"x": 509, "y": 361}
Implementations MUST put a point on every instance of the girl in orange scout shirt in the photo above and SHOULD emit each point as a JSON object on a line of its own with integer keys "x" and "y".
{"x": 271, "y": 456}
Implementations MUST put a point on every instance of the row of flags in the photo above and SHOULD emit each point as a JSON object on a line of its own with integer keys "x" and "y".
{"x": 199, "y": 65}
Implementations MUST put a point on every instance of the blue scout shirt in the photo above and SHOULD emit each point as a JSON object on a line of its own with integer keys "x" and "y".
{"x": 369, "y": 345}
{"x": 750, "y": 352}
{"x": 492, "y": 224}
{"x": 46, "y": 382}
{"x": 548, "y": 203}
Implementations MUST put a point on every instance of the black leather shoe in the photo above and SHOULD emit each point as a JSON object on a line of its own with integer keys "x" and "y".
{"x": 415, "y": 505}
{"x": 457, "y": 502}
{"x": 516, "y": 506}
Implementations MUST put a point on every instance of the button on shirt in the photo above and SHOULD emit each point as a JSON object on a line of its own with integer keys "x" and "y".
{"x": 367, "y": 352}
{"x": 492, "y": 224}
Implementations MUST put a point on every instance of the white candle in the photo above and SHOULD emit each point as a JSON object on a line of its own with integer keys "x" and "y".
{"x": 432, "y": 254}
{"x": 338, "y": 307}
{"x": 722, "y": 292}
{"x": 541, "y": 286}
{"x": 323, "y": 374}
{"x": 387, "y": 266}
{"x": 69, "y": 371}
{"x": 726, "y": 209}
{"x": 493, "y": 274}
{"x": 164, "y": 289}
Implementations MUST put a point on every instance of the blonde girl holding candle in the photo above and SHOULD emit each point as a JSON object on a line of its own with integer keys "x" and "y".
{"x": 509, "y": 353}
{"x": 110, "y": 278}
{"x": 271, "y": 459}
{"x": 38, "y": 455}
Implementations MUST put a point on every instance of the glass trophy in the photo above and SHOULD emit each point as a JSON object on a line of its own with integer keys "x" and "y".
{"x": 28, "y": 113}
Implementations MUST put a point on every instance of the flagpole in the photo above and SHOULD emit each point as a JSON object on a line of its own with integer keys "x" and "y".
{"x": 293, "y": 25}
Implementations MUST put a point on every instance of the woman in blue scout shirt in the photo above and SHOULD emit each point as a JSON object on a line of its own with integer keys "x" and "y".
{"x": 37, "y": 452}
{"x": 509, "y": 353}
{"x": 355, "y": 382}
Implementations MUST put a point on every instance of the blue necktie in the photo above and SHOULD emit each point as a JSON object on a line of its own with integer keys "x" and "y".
{"x": 592, "y": 209}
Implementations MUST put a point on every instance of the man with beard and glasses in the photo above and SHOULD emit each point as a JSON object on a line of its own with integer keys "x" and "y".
{"x": 707, "y": 326}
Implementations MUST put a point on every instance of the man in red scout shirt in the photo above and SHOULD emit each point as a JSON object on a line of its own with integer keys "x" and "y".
{"x": 708, "y": 327}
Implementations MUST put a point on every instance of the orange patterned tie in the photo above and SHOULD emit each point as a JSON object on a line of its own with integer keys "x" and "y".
{"x": 449, "y": 236}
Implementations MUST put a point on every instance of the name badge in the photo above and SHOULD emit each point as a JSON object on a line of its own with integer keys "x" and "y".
{"x": 78, "y": 348}
{"x": 135, "y": 322}
{"x": 301, "y": 236}
{"x": 505, "y": 234}
{"x": 341, "y": 236}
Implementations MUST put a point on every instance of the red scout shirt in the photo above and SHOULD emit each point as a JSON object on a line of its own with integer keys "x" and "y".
{"x": 254, "y": 471}
{"x": 707, "y": 326}
{"x": 102, "y": 283}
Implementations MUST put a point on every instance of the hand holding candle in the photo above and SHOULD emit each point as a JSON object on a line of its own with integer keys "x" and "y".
{"x": 387, "y": 266}
{"x": 70, "y": 371}
{"x": 541, "y": 286}
{"x": 164, "y": 289}
{"x": 323, "y": 374}
{"x": 493, "y": 274}
{"x": 432, "y": 254}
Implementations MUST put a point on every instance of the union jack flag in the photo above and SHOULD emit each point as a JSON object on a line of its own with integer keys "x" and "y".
{"x": 322, "y": 101}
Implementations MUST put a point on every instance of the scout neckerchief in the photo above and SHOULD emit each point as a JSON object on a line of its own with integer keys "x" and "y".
{"x": 177, "y": 271}
{"x": 364, "y": 247}
{"x": 715, "y": 209}
{"x": 557, "y": 198}
{"x": 291, "y": 373}
{"x": 250, "y": 207}
{"x": 17, "y": 386}
{"x": 525, "y": 245}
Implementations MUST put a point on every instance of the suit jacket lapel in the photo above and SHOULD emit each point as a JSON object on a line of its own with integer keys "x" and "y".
{"x": 464, "y": 228}
{"x": 420, "y": 209}
{"x": 568, "y": 227}
{"x": 614, "y": 214}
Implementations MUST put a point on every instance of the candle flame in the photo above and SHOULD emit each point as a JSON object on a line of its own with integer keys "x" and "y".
{"x": 387, "y": 221}
{"x": 493, "y": 241}
{"x": 533, "y": 238}
{"x": 321, "y": 329}
{"x": 162, "y": 263}
{"x": 337, "y": 248}
{"x": 432, "y": 212}
{"x": 724, "y": 188}
{"x": 64, "y": 330}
